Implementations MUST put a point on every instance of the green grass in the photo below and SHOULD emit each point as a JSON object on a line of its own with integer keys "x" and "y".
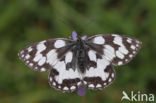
{"x": 23, "y": 22}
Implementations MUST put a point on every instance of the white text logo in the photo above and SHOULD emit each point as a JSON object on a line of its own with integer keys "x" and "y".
{"x": 137, "y": 96}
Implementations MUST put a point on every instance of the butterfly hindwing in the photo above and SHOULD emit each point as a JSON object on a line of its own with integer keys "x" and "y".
{"x": 63, "y": 77}
{"x": 43, "y": 55}
{"x": 100, "y": 74}
{"x": 100, "y": 81}
{"x": 117, "y": 49}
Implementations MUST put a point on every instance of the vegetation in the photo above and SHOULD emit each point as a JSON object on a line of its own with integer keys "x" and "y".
{"x": 23, "y": 22}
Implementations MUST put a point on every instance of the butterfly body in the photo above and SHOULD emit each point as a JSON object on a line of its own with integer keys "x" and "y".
{"x": 81, "y": 61}
{"x": 81, "y": 55}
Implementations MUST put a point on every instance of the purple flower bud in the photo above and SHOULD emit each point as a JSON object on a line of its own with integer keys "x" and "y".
{"x": 74, "y": 35}
{"x": 84, "y": 37}
{"x": 81, "y": 90}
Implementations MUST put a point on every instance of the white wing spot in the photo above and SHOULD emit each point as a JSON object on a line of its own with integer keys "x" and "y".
{"x": 51, "y": 79}
{"x": 132, "y": 47}
{"x": 119, "y": 55}
{"x": 92, "y": 55}
{"x": 30, "y": 49}
{"x": 43, "y": 69}
{"x": 130, "y": 55}
{"x": 31, "y": 64}
{"x": 109, "y": 52}
{"x": 37, "y": 57}
{"x": 68, "y": 57}
{"x": 120, "y": 63}
{"x": 112, "y": 75}
{"x": 36, "y": 67}
{"x": 78, "y": 83}
{"x": 42, "y": 61}
{"x": 59, "y": 43}
{"x": 91, "y": 85}
{"x": 85, "y": 82}
{"x": 115, "y": 35}
{"x": 27, "y": 56}
{"x": 118, "y": 40}
{"x": 98, "y": 85}
{"x": 134, "y": 52}
{"x": 65, "y": 88}
{"x": 52, "y": 57}
{"x": 105, "y": 84}
{"x": 40, "y": 47}
{"x": 110, "y": 48}
{"x": 137, "y": 41}
{"x": 123, "y": 50}
{"x": 54, "y": 83}
{"x": 27, "y": 61}
{"x": 129, "y": 40}
{"x": 72, "y": 87}
{"x": 137, "y": 45}
{"x": 99, "y": 40}
{"x": 126, "y": 60}
{"x": 109, "y": 80}
{"x": 22, "y": 52}
{"x": 59, "y": 86}
{"x": 22, "y": 56}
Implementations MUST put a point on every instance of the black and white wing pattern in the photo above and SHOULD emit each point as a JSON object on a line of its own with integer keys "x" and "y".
{"x": 62, "y": 57}
{"x": 99, "y": 72}
{"x": 43, "y": 55}
{"x": 56, "y": 55}
{"x": 101, "y": 75}
{"x": 63, "y": 78}
{"x": 103, "y": 51}
{"x": 117, "y": 49}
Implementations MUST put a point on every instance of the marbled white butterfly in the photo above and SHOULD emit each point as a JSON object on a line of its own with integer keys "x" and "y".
{"x": 80, "y": 61}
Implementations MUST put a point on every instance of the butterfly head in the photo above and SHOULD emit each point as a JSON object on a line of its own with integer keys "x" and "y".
{"x": 75, "y": 36}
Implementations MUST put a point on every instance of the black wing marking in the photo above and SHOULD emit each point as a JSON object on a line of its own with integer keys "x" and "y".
{"x": 117, "y": 49}
{"x": 43, "y": 55}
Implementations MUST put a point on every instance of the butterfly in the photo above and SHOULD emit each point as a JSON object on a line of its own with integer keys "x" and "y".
{"x": 80, "y": 60}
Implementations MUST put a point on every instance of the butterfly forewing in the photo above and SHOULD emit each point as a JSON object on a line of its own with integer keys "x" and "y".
{"x": 43, "y": 55}
{"x": 117, "y": 49}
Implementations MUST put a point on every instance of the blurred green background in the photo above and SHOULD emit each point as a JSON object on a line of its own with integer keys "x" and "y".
{"x": 23, "y": 22}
